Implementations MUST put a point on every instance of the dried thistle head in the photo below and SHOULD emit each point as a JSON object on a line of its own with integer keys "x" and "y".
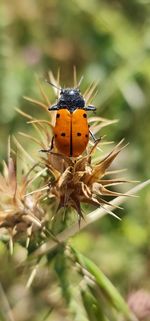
{"x": 20, "y": 214}
{"x": 77, "y": 181}
{"x": 72, "y": 181}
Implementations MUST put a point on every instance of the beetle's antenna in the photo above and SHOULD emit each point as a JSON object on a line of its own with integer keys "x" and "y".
{"x": 80, "y": 81}
{"x": 50, "y": 83}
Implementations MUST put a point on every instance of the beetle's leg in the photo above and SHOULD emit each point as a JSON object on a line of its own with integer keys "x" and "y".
{"x": 93, "y": 136}
{"x": 54, "y": 107}
{"x": 50, "y": 148}
{"x": 52, "y": 143}
{"x": 90, "y": 107}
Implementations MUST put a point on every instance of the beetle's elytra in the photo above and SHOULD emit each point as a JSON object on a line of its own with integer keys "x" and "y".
{"x": 71, "y": 130}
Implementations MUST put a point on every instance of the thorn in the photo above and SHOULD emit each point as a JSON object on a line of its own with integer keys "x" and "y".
{"x": 11, "y": 245}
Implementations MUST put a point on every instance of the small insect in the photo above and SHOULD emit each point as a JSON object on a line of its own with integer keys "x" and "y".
{"x": 71, "y": 130}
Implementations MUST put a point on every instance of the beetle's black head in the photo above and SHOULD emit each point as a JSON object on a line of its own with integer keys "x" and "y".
{"x": 71, "y": 99}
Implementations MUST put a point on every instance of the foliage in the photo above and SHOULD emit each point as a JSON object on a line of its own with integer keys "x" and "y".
{"x": 108, "y": 42}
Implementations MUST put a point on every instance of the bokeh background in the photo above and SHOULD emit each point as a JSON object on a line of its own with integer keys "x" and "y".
{"x": 108, "y": 42}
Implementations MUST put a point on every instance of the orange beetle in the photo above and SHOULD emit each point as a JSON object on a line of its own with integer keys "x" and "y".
{"x": 71, "y": 130}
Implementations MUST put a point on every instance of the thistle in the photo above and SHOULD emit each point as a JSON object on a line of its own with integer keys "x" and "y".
{"x": 79, "y": 181}
{"x": 139, "y": 303}
{"x": 20, "y": 214}
{"x": 66, "y": 181}
{"x": 72, "y": 181}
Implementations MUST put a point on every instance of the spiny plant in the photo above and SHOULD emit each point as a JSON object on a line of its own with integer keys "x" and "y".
{"x": 37, "y": 209}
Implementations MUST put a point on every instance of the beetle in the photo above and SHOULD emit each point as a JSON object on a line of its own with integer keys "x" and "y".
{"x": 71, "y": 130}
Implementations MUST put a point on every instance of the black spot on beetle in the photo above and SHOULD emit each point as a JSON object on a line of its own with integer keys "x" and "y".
{"x": 86, "y": 135}
{"x": 55, "y": 135}
{"x": 85, "y": 115}
{"x": 58, "y": 115}
{"x": 78, "y": 134}
{"x": 63, "y": 134}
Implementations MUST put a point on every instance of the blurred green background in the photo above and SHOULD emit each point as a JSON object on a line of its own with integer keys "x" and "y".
{"x": 108, "y": 42}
